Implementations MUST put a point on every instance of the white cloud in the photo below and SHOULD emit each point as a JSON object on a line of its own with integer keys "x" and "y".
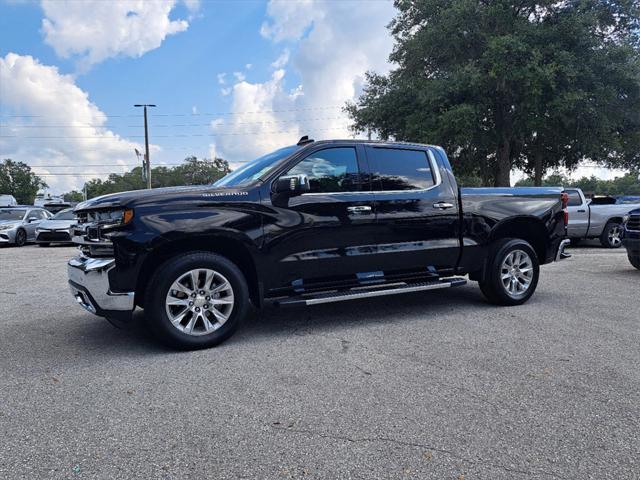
{"x": 289, "y": 20}
{"x": 51, "y": 105}
{"x": 94, "y": 30}
{"x": 254, "y": 128}
{"x": 248, "y": 66}
{"x": 221, "y": 78}
{"x": 239, "y": 76}
{"x": 282, "y": 60}
{"x": 335, "y": 44}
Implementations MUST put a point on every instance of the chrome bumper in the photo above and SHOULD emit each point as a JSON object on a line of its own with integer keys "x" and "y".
{"x": 561, "y": 254}
{"x": 89, "y": 284}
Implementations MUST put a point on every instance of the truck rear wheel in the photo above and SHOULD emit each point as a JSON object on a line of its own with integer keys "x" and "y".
{"x": 611, "y": 235}
{"x": 196, "y": 300}
{"x": 512, "y": 272}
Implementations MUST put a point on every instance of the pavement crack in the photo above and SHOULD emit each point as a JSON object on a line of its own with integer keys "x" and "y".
{"x": 404, "y": 443}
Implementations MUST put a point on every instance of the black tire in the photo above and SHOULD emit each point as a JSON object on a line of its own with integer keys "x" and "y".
{"x": 21, "y": 238}
{"x": 611, "y": 236}
{"x": 161, "y": 282}
{"x": 492, "y": 285}
{"x": 634, "y": 260}
{"x": 576, "y": 241}
{"x": 43, "y": 244}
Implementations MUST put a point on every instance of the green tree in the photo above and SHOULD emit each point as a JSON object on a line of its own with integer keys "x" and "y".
{"x": 73, "y": 196}
{"x": 628, "y": 184}
{"x": 17, "y": 179}
{"x": 505, "y": 83}
{"x": 192, "y": 172}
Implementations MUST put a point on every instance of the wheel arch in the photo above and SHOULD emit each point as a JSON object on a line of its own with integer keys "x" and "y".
{"x": 530, "y": 229}
{"x": 231, "y": 248}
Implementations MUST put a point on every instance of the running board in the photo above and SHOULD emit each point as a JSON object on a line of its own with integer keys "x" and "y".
{"x": 369, "y": 292}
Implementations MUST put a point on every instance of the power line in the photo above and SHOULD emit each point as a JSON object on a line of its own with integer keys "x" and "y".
{"x": 293, "y": 120}
{"x": 210, "y": 114}
{"x": 179, "y": 135}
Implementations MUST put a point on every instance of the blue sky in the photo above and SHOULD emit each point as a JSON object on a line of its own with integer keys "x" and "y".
{"x": 231, "y": 78}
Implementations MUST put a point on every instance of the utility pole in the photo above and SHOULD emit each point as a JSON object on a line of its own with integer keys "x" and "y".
{"x": 146, "y": 142}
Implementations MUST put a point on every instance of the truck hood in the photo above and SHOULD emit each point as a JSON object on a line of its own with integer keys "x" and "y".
{"x": 163, "y": 195}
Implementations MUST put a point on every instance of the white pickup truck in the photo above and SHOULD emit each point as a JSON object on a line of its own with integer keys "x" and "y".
{"x": 589, "y": 219}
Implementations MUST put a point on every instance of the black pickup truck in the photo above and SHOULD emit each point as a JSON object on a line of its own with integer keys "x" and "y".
{"x": 311, "y": 223}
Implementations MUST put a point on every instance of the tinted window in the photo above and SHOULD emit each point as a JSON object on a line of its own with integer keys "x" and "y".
{"x": 12, "y": 214}
{"x": 395, "y": 169}
{"x": 330, "y": 170}
{"x": 65, "y": 215}
{"x": 574, "y": 198}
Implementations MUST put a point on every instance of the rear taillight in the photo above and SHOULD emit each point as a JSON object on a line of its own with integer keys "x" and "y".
{"x": 564, "y": 196}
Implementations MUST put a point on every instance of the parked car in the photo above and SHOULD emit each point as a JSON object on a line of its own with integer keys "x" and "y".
{"x": 8, "y": 201}
{"x": 56, "y": 229}
{"x": 311, "y": 223}
{"x": 601, "y": 220}
{"x": 56, "y": 207}
{"x": 18, "y": 224}
{"x": 631, "y": 238}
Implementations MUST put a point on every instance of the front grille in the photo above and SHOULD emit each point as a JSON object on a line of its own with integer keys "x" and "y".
{"x": 87, "y": 234}
{"x": 54, "y": 237}
{"x": 633, "y": 224}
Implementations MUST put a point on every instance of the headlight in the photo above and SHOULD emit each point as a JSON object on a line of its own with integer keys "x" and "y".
{"x": 7, "y": 227}
{"x": 38, "y": 231}
{"x": 110, "y": 218}
{"x": 625, "y": 218}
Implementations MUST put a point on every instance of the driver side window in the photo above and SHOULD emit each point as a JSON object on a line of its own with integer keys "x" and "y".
{"x": 330, "y": 170}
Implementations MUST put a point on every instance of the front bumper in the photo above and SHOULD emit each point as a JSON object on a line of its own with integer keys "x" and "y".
{"x": 53, "y": 236}
{"x": 561, "y": 254}
{"x": 89, "y": 284}
{"x": 8, "y": 236}
{"x": 631, "y": 242}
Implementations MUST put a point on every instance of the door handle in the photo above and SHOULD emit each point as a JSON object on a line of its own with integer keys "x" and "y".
{"x": 442, "y": 205}
{"x": 581, "y": 211}
{"x": 359, "y": 209}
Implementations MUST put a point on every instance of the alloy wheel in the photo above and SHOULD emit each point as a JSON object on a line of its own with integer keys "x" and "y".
{"x": 199, "y": 302}
{"x": 615, "y": 236}
{"x": 516, "y": 273}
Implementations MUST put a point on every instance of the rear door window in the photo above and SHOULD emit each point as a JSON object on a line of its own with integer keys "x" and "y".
{"x": 395, "y": 169}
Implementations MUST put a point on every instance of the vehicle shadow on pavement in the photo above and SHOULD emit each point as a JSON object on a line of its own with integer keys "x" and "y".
{"x": 274, "y": 322}
{"x": 340, "y": 316}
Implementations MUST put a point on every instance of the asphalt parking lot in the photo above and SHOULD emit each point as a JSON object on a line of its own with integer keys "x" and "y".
{"x": 432, "y": 385}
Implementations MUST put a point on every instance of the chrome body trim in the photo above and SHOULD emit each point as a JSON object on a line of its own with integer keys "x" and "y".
{"x": 435, "y": 169}
{"x": 560, "y": 254}
{"x": 92, "y": 274}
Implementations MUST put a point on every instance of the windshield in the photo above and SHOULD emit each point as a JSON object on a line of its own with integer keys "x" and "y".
{"x": 12, "y": 214}
{"x": 64, "y": 215}
{"x": 256, "y": 169}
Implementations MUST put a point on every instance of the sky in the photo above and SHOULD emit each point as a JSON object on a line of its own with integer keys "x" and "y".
{"x": 233, "y": 79}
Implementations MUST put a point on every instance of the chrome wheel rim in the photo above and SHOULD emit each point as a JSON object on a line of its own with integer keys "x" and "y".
{"x": 199, "y": 302}
{"x": 615, "y": 236}
{"x": 516, "y": 273}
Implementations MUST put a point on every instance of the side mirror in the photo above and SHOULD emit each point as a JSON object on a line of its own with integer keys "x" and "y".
{"x": 292, "y": 186}
{"x": 31, "y": 220}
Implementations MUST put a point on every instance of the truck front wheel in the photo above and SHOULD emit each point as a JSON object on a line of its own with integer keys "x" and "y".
{"x": 196, "y": 300}
{"x": 634, "y": 260}
{"x": 512, "y": 272}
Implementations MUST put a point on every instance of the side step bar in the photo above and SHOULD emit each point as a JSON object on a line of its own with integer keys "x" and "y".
{"x": 368, "y": 292}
